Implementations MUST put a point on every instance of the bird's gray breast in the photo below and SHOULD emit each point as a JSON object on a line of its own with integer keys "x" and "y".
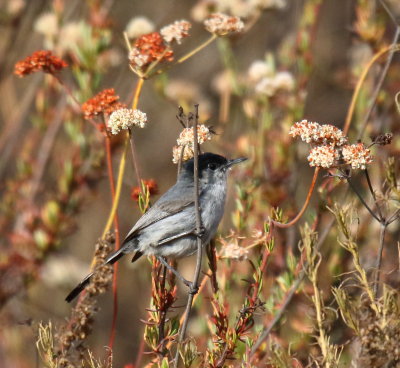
{"x": 212, "y": 204}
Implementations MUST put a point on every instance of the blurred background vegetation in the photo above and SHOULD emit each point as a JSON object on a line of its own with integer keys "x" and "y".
{"x": 56, "y": 196}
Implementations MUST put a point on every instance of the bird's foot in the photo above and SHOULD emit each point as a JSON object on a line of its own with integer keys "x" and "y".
{"x": 200, "y": 232}
{"x": 193, "y": 289}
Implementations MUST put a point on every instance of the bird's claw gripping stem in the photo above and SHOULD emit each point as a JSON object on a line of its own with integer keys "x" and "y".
{"x": 200, "y": 232}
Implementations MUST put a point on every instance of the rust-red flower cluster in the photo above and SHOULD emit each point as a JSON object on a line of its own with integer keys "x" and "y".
{"x": 149, "y": 48}
{"x": 105, "y": 102}
{"x": 151, "y": 186}
{"x": 41, "y": 60}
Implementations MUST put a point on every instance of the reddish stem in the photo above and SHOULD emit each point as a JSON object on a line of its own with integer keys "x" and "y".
{"x": 307, "y": 201}
{"x": 117, "y": 242}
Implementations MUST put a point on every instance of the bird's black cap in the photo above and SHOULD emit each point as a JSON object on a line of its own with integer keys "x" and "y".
{"x": 205, "y": 159}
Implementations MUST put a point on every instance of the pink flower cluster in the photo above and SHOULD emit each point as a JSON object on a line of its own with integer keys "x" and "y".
{"x": 329, "y": 146}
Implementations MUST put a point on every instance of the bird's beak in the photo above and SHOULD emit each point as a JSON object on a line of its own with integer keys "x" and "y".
{"x": 234, "y": 162}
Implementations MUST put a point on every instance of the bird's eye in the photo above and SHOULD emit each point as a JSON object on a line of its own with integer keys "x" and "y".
{"x": 212, "y": 166}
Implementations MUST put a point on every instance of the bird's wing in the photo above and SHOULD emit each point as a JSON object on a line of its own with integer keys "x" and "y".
{"x": 173, "y": 201}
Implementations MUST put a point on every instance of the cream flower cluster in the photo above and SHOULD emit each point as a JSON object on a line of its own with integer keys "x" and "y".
{"x": 126, "y": 118}
{"x": 323, "y": 156}
{"x": 176, "y": 31}
{"x": 221, "y": 24}
{"x": 311, "y": 132}
{"x": 187, "y": 153}
{"x": 357, "y": 155}
{"x": 139, "y": 26}
{"x": 329, "y": 146}
{"x": 186, "y": 140}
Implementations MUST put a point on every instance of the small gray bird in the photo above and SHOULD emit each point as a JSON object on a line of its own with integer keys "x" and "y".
{"x": 168, "y": 228}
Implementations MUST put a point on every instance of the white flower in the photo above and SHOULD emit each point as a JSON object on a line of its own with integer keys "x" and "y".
{"x": 266, "y": 86}
{"x": 268, "y": 4}
{"x": 47, "y": 24}
{"x": 176, "y": 31}
{"x": 71, "y": 36}
{"x": 357, "y": 155}
{"x": 323, "y": 156}
{"x": 284, "y": 81}
{"x": 259, "y": 69}
{"x": 222, "y": 24}
{"x": 138, "y": 26}
{"x": 186, "y": 136}
{"x": 125, "y": 119}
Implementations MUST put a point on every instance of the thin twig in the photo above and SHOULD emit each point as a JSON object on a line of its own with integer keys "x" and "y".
{"x": 194, "y": 288}
{"x": 46, "y": 147}
{"x": 371, "y": 189}
{"x": 355, "y": 190}
{"x": 379, "y": 260}
{"x": 379, "y": 84}
{"x": 360, "y": 82}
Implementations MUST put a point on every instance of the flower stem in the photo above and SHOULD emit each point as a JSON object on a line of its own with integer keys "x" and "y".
{"x": 197, "y": 49}
{"x": 379, "y": 260}
{"x": 307, "y": 201}
{"x": 117, "y": 242}
{"x": 355, "y": 190}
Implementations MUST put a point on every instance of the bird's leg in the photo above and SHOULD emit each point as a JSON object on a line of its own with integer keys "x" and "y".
{"x": 188, "y": 283}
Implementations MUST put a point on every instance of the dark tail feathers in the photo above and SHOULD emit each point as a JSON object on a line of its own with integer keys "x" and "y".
{"x": 81, "y": 286}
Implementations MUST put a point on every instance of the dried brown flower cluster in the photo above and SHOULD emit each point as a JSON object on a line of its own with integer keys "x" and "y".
{"x": 379, "y": 339}
{"x": 80, "y": 324}
{"x": 328, "y": 146}
{"x": 148, "y": 49}
{"x": 41, "y": 60}
{"x": 105, "y": 102}
{"x": 151, "y": 186}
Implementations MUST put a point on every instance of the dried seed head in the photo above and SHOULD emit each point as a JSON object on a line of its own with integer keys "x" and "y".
{"x": 234, "y": 251}
{"x": 221, "y": 24}
{"x": 383, "y": 139}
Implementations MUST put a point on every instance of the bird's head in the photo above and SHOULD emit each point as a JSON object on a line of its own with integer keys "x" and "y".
{"x": 212, "y": 167}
